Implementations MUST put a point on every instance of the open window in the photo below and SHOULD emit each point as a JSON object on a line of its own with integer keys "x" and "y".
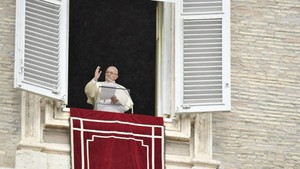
{"x": 193, "y": 53}
{"x": 42, "y": 54}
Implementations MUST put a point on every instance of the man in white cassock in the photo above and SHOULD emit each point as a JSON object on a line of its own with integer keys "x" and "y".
{"x": 108, "y": 95}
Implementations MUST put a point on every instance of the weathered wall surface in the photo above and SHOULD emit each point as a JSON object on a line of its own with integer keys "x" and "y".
{"x": 263, "y": 128}
{"x": 9, "y": 97}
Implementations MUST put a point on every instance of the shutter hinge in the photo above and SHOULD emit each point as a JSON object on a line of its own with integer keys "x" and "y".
{"x": 20, "y": 72}
{"x": 55, "y": 90}
{"x": 186, "y": 106}
{"x": 21, "y": 69}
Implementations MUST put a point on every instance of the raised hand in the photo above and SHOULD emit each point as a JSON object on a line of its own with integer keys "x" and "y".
{"x": 97, "y": 73}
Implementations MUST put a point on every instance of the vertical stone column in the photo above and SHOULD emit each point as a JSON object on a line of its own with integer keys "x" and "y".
{"x": 29, "y": 155}
{"x": 202, "y": 155}
{"x": 30, "y": 118}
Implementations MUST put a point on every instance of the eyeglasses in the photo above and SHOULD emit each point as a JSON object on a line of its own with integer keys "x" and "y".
{"x": 109, "y": 72}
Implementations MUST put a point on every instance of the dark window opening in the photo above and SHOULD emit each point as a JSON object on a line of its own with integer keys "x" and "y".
{"x": 113, "y": 32}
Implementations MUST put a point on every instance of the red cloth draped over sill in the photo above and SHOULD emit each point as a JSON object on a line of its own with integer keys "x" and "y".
{"x": 103, "y": 140}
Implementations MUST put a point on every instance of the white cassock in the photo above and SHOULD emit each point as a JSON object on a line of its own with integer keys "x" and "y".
{"x": 99, "y": 94}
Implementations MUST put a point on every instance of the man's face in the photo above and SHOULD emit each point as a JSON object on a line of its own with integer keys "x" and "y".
{"x": 111, "y": 74}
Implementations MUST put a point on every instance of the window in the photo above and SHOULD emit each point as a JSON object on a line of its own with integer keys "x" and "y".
{"x": 193, "y": 53}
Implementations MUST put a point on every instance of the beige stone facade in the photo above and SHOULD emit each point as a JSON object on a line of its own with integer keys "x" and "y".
{"x": 262, "y": 130}
{"x": 10, "y": 118}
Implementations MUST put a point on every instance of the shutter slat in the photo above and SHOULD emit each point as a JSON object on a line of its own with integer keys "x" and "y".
{"x": 204, "y": 57}
{"x": 201, "y": 6}
{"x": 31, "y": 46}
{"x": 49, "y": 54}
{"x": 41, "y": 43}
{"x": 41, "y": 63}
{"x": 42, "y": 8}
{"x": 41, "y": 77}
{"x": 41, "y": 57}
{"x": 38, "y": 35}
{"x": 43, "y": 28}
{"x": 202, "y": 52}
{"x": 41, "y": 33}
{"x": 38, "y": 82}
{"x": 39, "y": 70}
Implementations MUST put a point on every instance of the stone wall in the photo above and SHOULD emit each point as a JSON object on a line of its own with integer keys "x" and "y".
{"x": 9, "y": 97}
{"x": 263, "y": 128}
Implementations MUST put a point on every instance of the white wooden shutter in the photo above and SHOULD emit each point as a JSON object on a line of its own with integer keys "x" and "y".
{"x": 203, "y": 56}
{"x": 41, "y": 55}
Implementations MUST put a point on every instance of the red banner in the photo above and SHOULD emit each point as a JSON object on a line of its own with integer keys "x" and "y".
{"x": 103, "y": 140}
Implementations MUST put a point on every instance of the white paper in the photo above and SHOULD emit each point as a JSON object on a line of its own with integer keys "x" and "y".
{"x": 107, "y": 91}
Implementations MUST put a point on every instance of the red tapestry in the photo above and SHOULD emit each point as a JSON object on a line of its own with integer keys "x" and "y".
{"x": 103, "y": 140}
